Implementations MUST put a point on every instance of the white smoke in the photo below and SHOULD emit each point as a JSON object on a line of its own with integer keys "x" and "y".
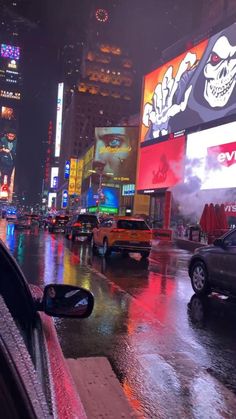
{"x": 189, "y": 196}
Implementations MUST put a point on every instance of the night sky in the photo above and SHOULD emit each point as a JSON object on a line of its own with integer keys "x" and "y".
{"x": 145, "y": 28}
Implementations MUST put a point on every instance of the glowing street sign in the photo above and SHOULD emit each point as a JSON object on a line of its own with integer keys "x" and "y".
{"x": 59, "y": 119}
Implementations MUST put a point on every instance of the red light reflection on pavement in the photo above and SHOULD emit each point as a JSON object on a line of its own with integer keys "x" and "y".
{"x": 151, "y": 301}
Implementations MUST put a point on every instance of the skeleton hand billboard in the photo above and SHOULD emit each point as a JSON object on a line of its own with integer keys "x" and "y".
{"x": 195, "y": 87}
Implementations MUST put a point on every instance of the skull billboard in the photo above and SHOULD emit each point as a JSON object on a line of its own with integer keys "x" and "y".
{"x": 196, "y": 87}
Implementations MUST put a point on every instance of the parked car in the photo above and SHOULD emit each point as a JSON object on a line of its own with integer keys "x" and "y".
{"x": 213, "y": 267}
{"x": 22, "y": 222}
{"x": 81, "y": 225}
{"x": 58, "y": 223}
{"x": 122, "y": 234}
{"x": 35, "y": 382}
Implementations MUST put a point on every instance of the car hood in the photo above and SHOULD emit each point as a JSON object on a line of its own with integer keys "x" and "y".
{"x": 204, "y": 249}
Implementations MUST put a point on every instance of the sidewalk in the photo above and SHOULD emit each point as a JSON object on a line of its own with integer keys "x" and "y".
{"x": 99, "y": 389}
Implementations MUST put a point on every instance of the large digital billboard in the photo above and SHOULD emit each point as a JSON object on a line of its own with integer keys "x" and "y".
{"x": 196, "y": 87}
{"x": 8, "y": 141}
{"x": 161, "y": 165}
{"x": 10, "y": 51}
{"x": 59, "y": 119}
{"x": 116, "y": 152}
{"x": 211, "y": 157}
{"x": 105, "y": 201}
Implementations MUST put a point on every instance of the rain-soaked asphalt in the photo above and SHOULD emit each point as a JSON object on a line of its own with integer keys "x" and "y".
{"x": 174, "y": 354}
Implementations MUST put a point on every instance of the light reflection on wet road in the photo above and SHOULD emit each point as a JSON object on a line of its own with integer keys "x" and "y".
{"x": 174, "y": 354}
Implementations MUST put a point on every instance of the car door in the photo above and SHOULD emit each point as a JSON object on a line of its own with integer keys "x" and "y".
{"x": 103, "y": 231}
{"x": 21, "y": 394}
{"x": 18, "y": 299}
{"x": 229, "y": 261}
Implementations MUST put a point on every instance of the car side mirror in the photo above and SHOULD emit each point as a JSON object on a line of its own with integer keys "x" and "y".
{"x": 61, "y": 300}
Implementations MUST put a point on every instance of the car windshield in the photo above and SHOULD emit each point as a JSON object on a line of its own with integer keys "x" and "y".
{"x": 87, "y": 219}
{"x": 132, "y": 225}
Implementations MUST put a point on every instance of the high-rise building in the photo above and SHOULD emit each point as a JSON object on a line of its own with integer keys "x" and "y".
{"x": 10, "y": 95}
{"x": 102, "y": 95}
{"x": 14, "y": 25}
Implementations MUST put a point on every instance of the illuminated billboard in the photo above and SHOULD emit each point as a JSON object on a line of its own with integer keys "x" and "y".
{"x": 59, "y": 119}
{"x": 10, "y": 95}
{"x": 88, "y": 162}
{"x": 116, "y": 152}
{"x": 196, "y": 87}
{"x": 72, "y": 178}
{"x": 54, "y": 177}
{"x": 161, "y": 165}
{"x": 106, "y": 201}
{"x": 9, "y": 51}
{"x": 211, "y": 157}
{"x": 8, "y": 141}
{"x": 79, "y": 173}
{"x": 128, "y": 190}
{"x": 52, "y": 196}
{"x": 67, "y": 170}
{"x": 7, "y": 113}
{"x": 64, "y": 199}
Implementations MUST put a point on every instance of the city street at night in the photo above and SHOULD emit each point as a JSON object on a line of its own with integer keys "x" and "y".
{"x": 118, "y": 209}
{"x": 173, "y": 353}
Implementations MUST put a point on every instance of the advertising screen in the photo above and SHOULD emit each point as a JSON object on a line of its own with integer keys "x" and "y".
{"x": 79, "y": 173}
{"x": 109, "y": 199}
{"x": 64, "y": 199}
{"x": 59, "y": 119}
{"x": 116, "y": 152}
{"x": 54, "y": 177}
{"x": 196, "y": 87}
{"x": 161, "y": 165}
{"x": 67, "y": 170}
{"x": 211, "y": 157}
{"x": 72, "y": 178}
{"x": 52, "y": 196}
{"x": 8, "y": 113}
{"x": 9, "y": 51}
{"x": 128, "y": 190}
{"x": 88, "y": 162}
{"x": 8, "y": 142}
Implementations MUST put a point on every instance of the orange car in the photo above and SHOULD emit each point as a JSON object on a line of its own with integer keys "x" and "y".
{"x": 125, "y": 234}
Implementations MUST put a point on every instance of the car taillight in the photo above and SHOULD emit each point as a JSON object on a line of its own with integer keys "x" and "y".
{"x": 77, "y": 225}
{"x": 54, "y": 221}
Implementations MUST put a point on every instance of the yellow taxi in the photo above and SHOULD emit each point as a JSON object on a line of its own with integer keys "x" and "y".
{"x": 122, "y": 234}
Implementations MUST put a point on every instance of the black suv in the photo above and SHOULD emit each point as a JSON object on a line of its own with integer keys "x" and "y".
{"x": 81, "y": 225}
{"x": 58, "y": 223}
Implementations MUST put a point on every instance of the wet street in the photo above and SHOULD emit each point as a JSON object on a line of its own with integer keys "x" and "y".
{"x": 174, "y": 353}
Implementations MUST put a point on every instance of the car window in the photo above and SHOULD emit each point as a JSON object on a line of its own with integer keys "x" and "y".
{"x": 231, "y": 240}
{"x": 17, "y": 296}
{"x": 106, "y": 223}
{"x": 132, "y": 225}
{"x": 21, "y": 394}
{"x": 87, "y": 219}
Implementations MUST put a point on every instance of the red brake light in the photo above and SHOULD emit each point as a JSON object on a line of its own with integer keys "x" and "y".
{"x": 77, "y": 224}
{"x": 53, "y": 221}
